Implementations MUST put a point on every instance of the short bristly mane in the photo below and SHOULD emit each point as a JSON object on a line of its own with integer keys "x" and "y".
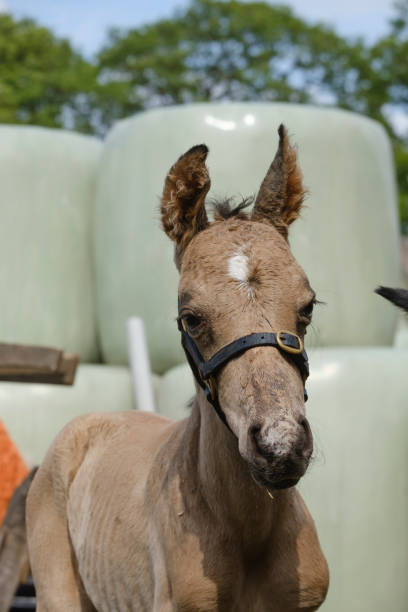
{"x": 225, "y": 209}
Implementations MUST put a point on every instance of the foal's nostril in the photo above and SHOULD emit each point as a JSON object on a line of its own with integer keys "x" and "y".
{"x": 254, "y": 434}
{"x": 304, "y": 423}
{"x": 306, "y": 427}
{"x": 307, "y": 438}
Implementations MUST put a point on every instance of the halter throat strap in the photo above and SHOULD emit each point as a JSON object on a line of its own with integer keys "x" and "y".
{"x": 286, "y": 342}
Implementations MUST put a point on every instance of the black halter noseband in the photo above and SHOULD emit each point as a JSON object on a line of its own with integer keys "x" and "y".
{"x": 287, "y": 343}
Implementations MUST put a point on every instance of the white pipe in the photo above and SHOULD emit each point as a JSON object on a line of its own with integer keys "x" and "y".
{"x": 140, "y": 365}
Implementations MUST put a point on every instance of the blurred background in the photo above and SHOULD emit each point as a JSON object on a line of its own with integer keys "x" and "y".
{"x": 83, "y": 65}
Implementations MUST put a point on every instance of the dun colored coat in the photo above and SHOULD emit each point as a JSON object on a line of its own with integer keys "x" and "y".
{"x": 133, "y": 512}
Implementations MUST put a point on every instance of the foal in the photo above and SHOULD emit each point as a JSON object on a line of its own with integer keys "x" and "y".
{"x": 133, "y": 512}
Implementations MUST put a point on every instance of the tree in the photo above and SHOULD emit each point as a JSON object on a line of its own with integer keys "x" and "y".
{"x": 390, "y": 74}
{"x": 210, "y": 50}
{"x": 234, "y": 50}
{"x": 42, "y": 80}
{"x": 229, "y": 50}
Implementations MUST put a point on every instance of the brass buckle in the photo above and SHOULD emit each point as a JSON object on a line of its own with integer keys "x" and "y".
{"x": 289, "y": 349}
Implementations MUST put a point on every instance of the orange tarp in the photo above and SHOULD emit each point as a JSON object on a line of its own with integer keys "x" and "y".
{"x": 13, "y": 470}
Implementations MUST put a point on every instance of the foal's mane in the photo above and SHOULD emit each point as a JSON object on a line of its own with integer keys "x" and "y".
{"x": 227, "y": 208}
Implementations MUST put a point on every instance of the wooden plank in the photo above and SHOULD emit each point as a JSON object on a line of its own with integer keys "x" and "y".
{"x": 15, "y": 357}
{"x": 24, "y": 363}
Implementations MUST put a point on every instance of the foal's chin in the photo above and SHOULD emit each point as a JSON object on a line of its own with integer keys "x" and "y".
{"x": 276, "y": 479}
{"x": 271, "y": 484}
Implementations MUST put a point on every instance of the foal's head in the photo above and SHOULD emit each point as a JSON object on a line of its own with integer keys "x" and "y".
{"x": 237, "y": 277}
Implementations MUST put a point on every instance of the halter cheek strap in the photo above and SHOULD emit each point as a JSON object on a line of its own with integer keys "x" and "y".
{"x": 288, "y": 343}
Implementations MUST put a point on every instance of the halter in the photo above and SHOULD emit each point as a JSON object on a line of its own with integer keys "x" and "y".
{"x": 289, "y": 344}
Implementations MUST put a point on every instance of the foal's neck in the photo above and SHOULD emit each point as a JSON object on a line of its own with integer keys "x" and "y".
{"x": 238, "y": 504}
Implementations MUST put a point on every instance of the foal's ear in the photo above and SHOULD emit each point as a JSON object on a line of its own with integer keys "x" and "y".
{"x": 281, "y": 194}
{"x": 182, "y": 205}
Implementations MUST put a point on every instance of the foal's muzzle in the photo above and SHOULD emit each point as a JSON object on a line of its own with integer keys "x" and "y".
{"x": 279, "y": 456}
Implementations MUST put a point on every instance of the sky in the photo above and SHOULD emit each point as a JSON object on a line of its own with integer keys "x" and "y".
{"x": 85, "y": 22}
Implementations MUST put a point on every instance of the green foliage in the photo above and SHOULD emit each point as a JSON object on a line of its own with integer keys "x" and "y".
{"x": 42, "y": 80}
{"x": 390, "y": 76}
{"x": 211, "y": 50}
{"x": 218, "y": 50}
{"x": 401, "y": 162}
{"x": 233, "y": 50}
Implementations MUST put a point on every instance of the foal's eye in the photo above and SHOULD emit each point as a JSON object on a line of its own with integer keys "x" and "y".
{"x": 307, "y": 312}
{"x": 192, "y": 322}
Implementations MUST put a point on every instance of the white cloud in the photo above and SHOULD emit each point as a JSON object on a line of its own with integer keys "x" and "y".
{"x": 3, "y": 6}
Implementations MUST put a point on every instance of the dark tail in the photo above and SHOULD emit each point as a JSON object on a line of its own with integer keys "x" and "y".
{"x": 399, "y": 297}
{"x": 14, "y": 563}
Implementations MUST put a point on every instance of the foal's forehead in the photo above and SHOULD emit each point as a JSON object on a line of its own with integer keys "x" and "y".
{"x": 238, "y": 249}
